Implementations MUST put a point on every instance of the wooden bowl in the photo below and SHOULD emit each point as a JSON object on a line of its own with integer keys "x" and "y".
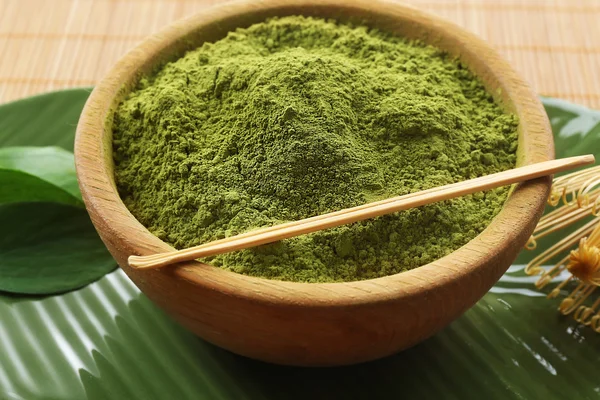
{"x": 304, "y": 323}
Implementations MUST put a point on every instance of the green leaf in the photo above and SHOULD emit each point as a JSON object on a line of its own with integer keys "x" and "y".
{"x": 108, "y": 340}
{"x": 44, "y": 247}
{"x": 45, "y": 120}
{"x": 32, "y": 174}
{"x": 576, "y": 128}
{"x": 49, "y": 248}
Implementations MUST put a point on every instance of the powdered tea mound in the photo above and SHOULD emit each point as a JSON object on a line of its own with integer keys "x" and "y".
{"x": 296, "y": 117}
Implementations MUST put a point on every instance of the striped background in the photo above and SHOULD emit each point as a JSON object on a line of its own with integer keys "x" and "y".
{"x": 47, "y": 45}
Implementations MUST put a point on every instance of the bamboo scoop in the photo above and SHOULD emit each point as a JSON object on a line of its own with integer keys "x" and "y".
{"x": 359, "y": 213}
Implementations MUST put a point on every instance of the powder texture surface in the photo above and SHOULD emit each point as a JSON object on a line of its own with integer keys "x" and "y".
{"x": 296, "y": 117}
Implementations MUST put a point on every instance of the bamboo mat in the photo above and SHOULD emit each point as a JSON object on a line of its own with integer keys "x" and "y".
{"x": 48, "y": 45}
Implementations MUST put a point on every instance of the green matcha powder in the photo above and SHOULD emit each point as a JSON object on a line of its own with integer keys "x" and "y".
{"x": 299, "y": 116}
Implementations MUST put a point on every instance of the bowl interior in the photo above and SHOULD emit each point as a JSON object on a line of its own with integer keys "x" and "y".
{"x": 121, "y": 230}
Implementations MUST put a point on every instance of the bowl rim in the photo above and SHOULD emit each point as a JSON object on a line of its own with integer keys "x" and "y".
{"x": 122, "y": 230}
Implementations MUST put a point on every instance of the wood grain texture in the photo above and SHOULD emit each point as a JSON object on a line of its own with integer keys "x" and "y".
{"x": 301, "y": 323}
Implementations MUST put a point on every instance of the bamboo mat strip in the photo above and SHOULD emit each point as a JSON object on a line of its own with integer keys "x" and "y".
{"x": 48, "y": 45}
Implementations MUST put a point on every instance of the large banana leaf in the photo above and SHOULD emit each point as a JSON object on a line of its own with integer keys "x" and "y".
{"x": 107, "y": 341}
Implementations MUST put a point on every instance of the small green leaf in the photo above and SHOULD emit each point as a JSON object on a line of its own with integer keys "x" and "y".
{"x": 49, "y": 248}
{"x": 53, "y": 164}
{"x": 49, "y": 119}
{"x": 31, "y": 174}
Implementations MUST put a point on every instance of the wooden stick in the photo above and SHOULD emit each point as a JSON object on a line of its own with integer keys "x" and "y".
{"x": 254, "y": 232}
{"x": 315, "y": 218}
{"x": 359, "y": 213}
